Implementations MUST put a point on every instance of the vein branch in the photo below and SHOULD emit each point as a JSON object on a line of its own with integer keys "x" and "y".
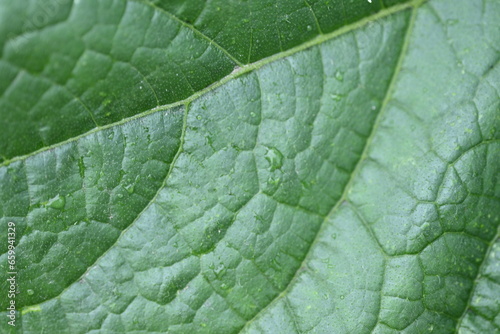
{"x": 355, "y": 172}
{"x": 172, "y": 164}
{"x": 196, "y": 31}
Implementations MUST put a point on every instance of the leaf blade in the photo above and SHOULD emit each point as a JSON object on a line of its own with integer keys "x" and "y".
{"x": 247, "y": 178}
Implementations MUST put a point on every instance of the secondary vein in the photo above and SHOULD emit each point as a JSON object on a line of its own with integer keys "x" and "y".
{"x": 355, "y": 172}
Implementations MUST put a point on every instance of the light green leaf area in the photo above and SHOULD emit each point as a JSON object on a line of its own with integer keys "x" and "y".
{"x": 345, "y": 180}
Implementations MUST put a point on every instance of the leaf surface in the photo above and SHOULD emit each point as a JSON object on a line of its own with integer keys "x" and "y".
{"x": 345, "y": 180}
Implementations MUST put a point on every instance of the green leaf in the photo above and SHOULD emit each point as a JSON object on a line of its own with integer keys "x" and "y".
{"x": 251, "y": 167}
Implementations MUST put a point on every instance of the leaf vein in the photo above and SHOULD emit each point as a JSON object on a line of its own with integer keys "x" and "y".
{"x": 356, "y": 169}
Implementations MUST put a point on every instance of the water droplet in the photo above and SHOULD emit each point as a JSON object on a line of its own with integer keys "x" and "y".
{"x": 58, "y": 202}
{"x": 336, "y": 97}
{"x": 309, "y": 28}
{"x": 130, "y": 188}
{"x": 111, "y": 135}
{"x": 276, "y": 265}
{"x": 253, "y": 114}
{"x": 339, "y": 76}
{"x": 198, "y": 117}
{"x": 275, "y": 158}
{"x": 120, "y": 195}
{"x": 220, "y": 271}
{"x": 273, "y": 181}
{"x": 342, "y": 297}
{"x": 30, "y": 292}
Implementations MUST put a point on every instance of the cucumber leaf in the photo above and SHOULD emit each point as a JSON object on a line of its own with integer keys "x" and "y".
{"x": 251, "y": 166}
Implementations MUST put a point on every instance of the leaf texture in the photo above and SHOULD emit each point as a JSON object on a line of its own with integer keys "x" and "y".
{"x": 252, "y": 167}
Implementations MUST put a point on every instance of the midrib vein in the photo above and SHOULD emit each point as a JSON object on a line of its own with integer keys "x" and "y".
{"x": 356, "y": 169}
{"x": 235, "y": 74}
